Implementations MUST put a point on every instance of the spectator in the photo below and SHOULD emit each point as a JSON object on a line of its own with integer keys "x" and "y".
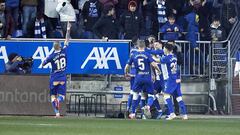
{"x": 217, "y": 31}
{"x": 122, "y": 7}
{"x": 67, "y": 14}
{"x": 171, "y": 30}
{"x": 174, "y": 7}
{"x": 228, "y": 15}
{"x": 202, "y": 8}
{"x": 91, "y": 13}
{"x": 50, "y": 13}
{"x": 193, "y": 49}
{"x": 132, "y": 22}
{"x": 12, "y": 12}
{"x": 161, "y": 12}
{"x": 150, "y": 17}
{"x": 29, "y": 12}
{"x": 2, "y": 19}
{"x": 107, "y": 27}
{"x": 39, "y": 27}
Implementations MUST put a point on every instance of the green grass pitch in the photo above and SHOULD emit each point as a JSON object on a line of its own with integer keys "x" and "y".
{"x": 13, "y": 125}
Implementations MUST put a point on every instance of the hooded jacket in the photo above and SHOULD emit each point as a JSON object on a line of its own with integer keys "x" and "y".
{"x": 66, "y": 11}
{"x": 132, "y": 23}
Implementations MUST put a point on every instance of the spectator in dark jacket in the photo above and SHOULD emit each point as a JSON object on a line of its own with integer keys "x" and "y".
{"x": 12, "y": 8}
{"x": 107, "y": 27}
{"x": 150, "y": 17}
{"x": 228, "y": 15}
{"x": 122, "y": 6}
{"x": 202, "y": 8}
{"x": 41, "y": 22}
{"x": 171, "y": 30}
{"x": 91, "y": 13}
{"x": 217, "y": 31}
{"x": 132, "y": 22}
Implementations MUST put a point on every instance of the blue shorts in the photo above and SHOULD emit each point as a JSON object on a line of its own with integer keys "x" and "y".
{"x": 58, "y": 89}
{"x": 173, "y": 88}
{"x": 143, "y": 84}
{"x": 159, "y": 86}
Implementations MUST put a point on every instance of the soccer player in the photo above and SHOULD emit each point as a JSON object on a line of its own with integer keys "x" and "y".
{"x": 159, "y": 80}
{"x": 58, "y": 60}
{"x": 143, "y": 78}
{"x": 173, "y": 87}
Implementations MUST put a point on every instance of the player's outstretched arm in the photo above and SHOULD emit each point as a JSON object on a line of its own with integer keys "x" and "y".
{"x": 126, "y": 69}
{"x": 67, "y": 34}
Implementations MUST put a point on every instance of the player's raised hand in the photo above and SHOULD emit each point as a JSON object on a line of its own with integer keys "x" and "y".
{"x": 67, "y": 33}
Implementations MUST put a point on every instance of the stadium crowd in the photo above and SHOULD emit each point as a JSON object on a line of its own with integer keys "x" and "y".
{"x": 118, "y": 19}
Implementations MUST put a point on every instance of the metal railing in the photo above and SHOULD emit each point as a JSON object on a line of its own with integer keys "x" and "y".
{"x": 182, "y": 34}
{"x": 194, "y": 62}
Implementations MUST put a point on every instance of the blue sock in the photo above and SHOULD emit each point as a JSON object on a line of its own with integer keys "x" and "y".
{"x": 182, "y": 107}
{"x": 166, "y": 109}
{"x": 170, "y": 105}
{"x": 54, "y": 107}
{"x": 150, "y": 101}
{"x": 129, "y": 103}
{"x": 134, "y": 106}
{"x": 60, "y": 99}
{"x": 156, "y": 104}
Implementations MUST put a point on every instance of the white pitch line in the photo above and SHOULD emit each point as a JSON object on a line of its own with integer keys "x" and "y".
{"x": 28, "y": 124}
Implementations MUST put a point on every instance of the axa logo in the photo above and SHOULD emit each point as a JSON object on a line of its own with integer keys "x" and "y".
{"x": 41, "y": 53}
{"x": 3, "y": 54}
{"x": 102, "y": 57}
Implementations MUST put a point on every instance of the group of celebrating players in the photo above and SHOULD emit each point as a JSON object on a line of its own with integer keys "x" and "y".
{"x": 154, "y": 71}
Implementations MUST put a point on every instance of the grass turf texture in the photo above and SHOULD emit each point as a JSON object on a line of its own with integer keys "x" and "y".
{"x": 100, "y": 126}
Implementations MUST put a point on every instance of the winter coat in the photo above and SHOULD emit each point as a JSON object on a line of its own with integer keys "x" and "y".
{"x": 106, "y": 26}
{"x": 132, "y": 24}
{"x": 66, "y": 12}
{"x": 218, "y": 33}
{"x": 192, "y": 28}
{"x": 50, "y": 8}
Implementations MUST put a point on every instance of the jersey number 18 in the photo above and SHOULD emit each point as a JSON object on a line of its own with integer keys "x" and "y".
{"x": 61, "y": 63}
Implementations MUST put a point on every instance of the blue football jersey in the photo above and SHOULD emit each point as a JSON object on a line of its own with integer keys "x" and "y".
{"x": 142, "y": 62}
{"x": 58, "y": 60}
{"x": 172, "y": 67}
{"x": 132, "y": 69}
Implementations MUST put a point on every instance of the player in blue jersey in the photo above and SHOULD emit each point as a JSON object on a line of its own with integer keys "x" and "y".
{"x": 58, "y": 60}
{"x": 143, "y": 63}
{"x": 172, "y": 85}
{"x": 131, "y": 74}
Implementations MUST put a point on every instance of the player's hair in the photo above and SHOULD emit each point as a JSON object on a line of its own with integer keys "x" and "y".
{"x": 169, "y": 47}
{"x": 56, "y": 45}
{"x": 141, "y": 43}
